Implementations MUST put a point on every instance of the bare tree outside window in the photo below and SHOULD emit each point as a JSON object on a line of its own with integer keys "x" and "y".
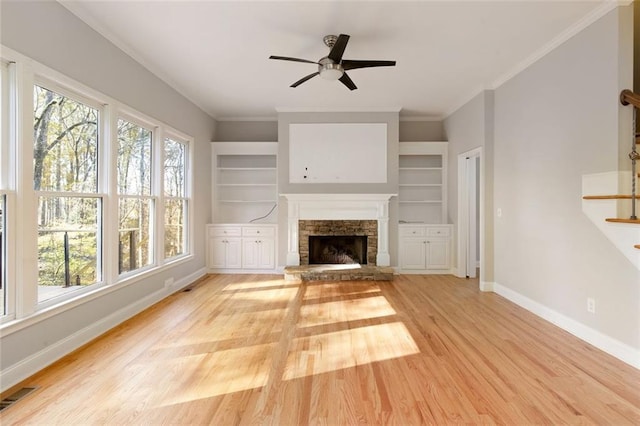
{"x": 176, "y": 201}
{"x": 135, "y": 207}
{"x": 65, "y": 165}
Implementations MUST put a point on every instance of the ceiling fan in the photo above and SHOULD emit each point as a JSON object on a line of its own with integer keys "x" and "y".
{"x": 332, "y": 66}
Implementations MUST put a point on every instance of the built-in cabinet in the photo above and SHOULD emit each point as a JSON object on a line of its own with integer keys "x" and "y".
{"x": 425, "y": 248}
{"x": 244, "y": 177}
{"x": 238, "y": 248}
{"x": 224, "y": 247}
{"x": 422, "y": 182}
{"x": 242, "y": 235}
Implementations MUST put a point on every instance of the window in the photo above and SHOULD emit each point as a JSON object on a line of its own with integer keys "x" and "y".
{"x": 176, "y": 201}
{"x": 65, "y": 180}
{"x": 88, "y": 202}
{"x": 4, "y": 178}
{"x": 135, "y": 204}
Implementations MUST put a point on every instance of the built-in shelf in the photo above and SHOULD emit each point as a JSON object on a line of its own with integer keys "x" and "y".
{"x": 422, "y": 182}
{"x": 245, "y": 182}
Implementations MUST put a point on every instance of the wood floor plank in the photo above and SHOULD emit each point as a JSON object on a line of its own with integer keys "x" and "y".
{"x": 255, "y": 349}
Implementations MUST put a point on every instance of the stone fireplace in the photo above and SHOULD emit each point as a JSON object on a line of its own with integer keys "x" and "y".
{"x": 343, "y": 239}
{"x": 338, "y": 214}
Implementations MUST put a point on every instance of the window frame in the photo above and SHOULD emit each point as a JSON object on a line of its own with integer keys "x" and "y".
{"x": 77, "y": 94}
{"x": 154, "y": 128}
{"x": 7, "y": 187}
{"x": 175, "y": 136}
{"x": 21, "y": 197}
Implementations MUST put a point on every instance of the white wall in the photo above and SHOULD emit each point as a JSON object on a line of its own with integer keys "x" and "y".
{"x": 247, "y": 131}
{"x": 554, "y": 122}
{"x": 49, "y": 34}
{"x": 471, "y": 127}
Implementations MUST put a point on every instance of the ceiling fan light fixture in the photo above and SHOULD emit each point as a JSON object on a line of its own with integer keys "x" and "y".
{"x": 331, "y": 73}
{"x": 332, "y": 67}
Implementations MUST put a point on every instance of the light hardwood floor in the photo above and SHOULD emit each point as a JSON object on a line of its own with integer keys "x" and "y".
{"x": 249, "y": 349}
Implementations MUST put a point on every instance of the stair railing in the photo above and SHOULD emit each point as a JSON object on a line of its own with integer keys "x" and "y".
{"x": 627, "y": 97}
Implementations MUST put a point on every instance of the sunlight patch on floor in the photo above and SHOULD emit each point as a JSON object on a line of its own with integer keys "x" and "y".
{"x": 318, "y": 291}
{"x": 344, "y": 349}
{"x": 257, "y": 285}
{"x": 221, "y": 373}
{"x": 244, "y": 325}
{"x": 261, "y": 297}
{"x": 344, "y": 310}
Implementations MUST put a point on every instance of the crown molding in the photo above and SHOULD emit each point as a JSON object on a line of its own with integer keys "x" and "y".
{"x": 567, "y": 34}
{"x": 338, "y": 109}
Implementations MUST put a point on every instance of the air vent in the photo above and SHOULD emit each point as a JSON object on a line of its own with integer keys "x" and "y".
{"x": 15, "y": 397}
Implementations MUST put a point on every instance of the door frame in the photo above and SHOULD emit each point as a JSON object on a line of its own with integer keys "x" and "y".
{"x": 465, "y": 183}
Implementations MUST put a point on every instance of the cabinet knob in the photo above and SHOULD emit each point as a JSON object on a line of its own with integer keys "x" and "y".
{"x": 414, "y": 232}
{"x": 257, "y": 232}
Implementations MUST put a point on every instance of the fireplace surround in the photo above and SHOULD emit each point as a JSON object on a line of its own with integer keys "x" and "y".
{"x": 339, "y": 207}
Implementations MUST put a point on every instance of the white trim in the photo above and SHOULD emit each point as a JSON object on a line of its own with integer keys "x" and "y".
{"x": 616, "y": 348}
{"x": 462, "y": 102}
{"x": 248, "y": 118}
{"x": 77, "y": 9}
{"x": 394, "y": 109}
{"x": 24, "y": 369}
{"x": 487, "y": 286}
{"x": 338, "y": 207}
{"x": 567, "y": 34}
{"x": 462, "y": 212}
{"x": 421, "y": 118}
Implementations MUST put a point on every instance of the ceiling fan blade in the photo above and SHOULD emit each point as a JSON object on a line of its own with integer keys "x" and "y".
{"x": 286, "y": 58}
{"x": 349, "y": 64}
{"x": 348, "y": 82}
{"x": 303, "y": 79}
{"x": 338, "y": 49}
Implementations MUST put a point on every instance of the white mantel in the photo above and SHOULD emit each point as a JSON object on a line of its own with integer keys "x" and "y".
{"x": 338, "y": 207}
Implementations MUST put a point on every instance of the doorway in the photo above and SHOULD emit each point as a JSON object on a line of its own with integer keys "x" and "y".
{"x": 469, "y": 213}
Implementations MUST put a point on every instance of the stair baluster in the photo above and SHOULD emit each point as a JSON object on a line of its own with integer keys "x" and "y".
{"x": 628, "y": 97}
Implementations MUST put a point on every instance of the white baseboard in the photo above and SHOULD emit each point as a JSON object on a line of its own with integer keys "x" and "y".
{"x": 622, "y": 351}
{"x": 487, "y": 286}
{"x": 22, "y": 370}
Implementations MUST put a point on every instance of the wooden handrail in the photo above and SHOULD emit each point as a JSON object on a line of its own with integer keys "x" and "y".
{"x": 628, "y": 97}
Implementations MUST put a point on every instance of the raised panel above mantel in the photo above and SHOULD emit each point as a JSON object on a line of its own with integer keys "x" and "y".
{"x": 338, "y": 153}
{"x": 374, "y": 173}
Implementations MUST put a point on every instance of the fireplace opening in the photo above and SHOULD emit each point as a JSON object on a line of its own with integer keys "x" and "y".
{"x": 337, "y": 249}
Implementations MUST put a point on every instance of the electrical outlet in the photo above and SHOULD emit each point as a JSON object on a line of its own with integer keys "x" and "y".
{"x": 591, "y": 305}
{"x": 168, "y": 282}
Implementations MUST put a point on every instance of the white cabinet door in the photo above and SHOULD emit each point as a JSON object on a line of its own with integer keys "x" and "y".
{"x": 224, "y": 253}
{"x": 250, "y": 252}
{"x": 438, "y": 254}
{"x": 234, "y": 253}
{"x": 258, "y": 253}
{"x": 266, "y": 254}
{"x": 413, "y": 253}
{"x": 217, "y": 253}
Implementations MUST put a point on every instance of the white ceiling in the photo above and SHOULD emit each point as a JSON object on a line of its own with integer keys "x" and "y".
{"x": 216, "y": 52}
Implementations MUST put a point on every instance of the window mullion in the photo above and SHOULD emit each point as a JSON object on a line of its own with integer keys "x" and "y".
{"x": 158, "y": 191}
{"x": 26, "y": 283}
{"x": 110, "y": 206}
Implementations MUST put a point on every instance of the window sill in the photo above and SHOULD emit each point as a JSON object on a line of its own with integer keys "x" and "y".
{"x": 98, "y": 290}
